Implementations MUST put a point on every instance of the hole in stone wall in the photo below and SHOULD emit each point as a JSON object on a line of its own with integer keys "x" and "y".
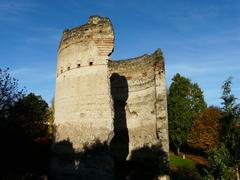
{"x": 79, "y": 65}
{"x": 61, "y": 71}
{"x": 68, "y": 68}
{"x": 90, "y": 63}
{"x": 144, "y": 74}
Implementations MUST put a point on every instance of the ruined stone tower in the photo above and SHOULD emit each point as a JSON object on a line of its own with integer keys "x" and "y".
{"x": 120, "y": 105}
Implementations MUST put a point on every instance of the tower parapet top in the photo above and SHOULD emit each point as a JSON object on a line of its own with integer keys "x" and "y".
{"x": 97, "y": 28}
{"x": 98, "y": 19}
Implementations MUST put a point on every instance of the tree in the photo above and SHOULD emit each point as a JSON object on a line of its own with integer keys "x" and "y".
{"x": 198, "y": 104}
{"x": 226, "y": 158}
{"x": 9, "y": 94}
{"x": 230, "y": 131}
{"x": 30, "y": 114}
{"x": 185, "y": 102}
{"x": 205, "y": 131}
{"x": 229, "y": 101}
{"x": 219, "y": 159}
{"x": 50, "y": 118}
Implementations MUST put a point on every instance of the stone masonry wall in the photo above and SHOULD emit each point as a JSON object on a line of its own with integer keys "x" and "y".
{"x": 145, "y": 103}
{"x": 83, "y": 104}
{"x": 105, "y": 111}
{"x": 82, "y": 85}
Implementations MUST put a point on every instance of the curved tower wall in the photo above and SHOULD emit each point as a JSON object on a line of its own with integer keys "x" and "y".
{"x": 83, "y": 108}
{"x": 145, "y": 107}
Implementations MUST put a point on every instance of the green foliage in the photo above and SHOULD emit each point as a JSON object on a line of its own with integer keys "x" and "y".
{"x": 230, "y": 131}
{"x": 9, "y": 94}
{"x": 232, "y": 142}
{"x": 30, "y": 114}
{"x": 50, "y": 118}
{"x": 198, "y": 104}
{"x": 185, "y": 174}
{"x": 219, "y": 160}
{"x": 176, "y": 161}
{"x": 185, "y": 102}
{"x": 229, "y": 100}
{"x": 226, "y": 159}
{"x": 181, "y": 169}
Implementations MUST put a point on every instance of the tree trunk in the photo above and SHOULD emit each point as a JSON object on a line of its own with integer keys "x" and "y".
{"x": 237, "y": 172}
{"x": 178, "y": 150}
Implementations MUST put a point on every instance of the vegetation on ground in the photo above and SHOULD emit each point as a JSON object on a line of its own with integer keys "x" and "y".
{"x": 179, "y": 162}
{"x": 183, "y": 168}
{"x": 214, "y": 131}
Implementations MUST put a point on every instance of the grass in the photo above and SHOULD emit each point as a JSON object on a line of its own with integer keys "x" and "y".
{"x": 182, "y": 169}
{"x": 178, "y": 162}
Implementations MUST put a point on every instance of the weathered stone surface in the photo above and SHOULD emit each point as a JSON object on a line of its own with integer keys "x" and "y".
{"x": 116, "y": 107}
{"x": 145, "y": 107}
{"x": 82, "y": 98}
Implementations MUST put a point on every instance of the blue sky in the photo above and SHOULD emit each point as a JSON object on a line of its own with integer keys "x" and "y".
{"x": 200, "y": 39}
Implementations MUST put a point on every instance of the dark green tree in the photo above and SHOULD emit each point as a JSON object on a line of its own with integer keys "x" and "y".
{"x": 231, "y": 131}
{"x": 50, "y": 118}
{"x": 9, "y": 95}
{"x": 198, "y": 103}
{"x": 30, "y": 114}
{"x": 185, "y": 102}
{"x": 218, "y": 159}
{"x": 229, "y": 102}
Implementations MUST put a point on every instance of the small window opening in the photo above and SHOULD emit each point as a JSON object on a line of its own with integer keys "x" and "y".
{"x": 90, "y": 63}
{"x": 61, "y": 71}
{"x": 79, "y": 65}
{"x": 68, "y": 68}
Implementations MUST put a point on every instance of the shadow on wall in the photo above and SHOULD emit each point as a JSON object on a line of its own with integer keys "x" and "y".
{"x": 108, "y": 161}
{"x": 147, "y": 163}
{"x": 119, "y": 91}
{"x": 120, "y": 143}
{"x": 95, "y": 162}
